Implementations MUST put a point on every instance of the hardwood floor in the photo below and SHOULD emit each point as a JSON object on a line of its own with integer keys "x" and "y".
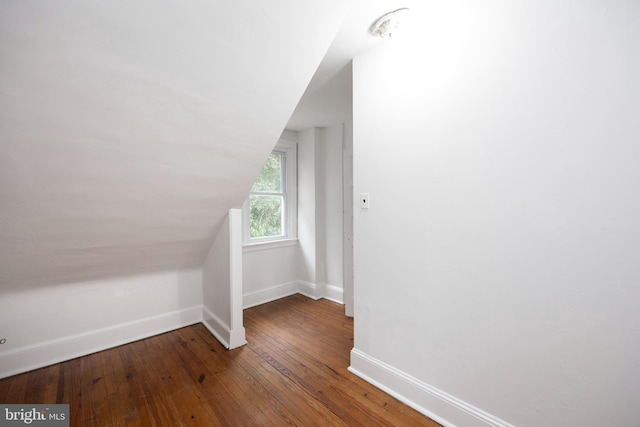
{"x": 293, "y": 371}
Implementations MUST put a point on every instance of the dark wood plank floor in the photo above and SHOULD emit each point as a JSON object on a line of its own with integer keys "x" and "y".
{"x": 293, "y": 371}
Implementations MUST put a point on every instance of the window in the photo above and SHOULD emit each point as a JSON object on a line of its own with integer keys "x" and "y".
{"x": 270, "y": 210}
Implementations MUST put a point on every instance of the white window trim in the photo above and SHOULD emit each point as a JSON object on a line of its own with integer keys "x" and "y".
{"x": 289, "y": 148}
{"x": 272, "y": 244}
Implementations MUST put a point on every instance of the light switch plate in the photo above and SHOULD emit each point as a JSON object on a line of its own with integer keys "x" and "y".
{"x": 364, "y": 200}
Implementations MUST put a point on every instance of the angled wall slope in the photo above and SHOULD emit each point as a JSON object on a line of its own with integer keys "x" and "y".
{"x": 128, "y": 131}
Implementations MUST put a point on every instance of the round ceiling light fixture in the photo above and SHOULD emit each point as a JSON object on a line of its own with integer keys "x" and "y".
{"x": 388, "y": 23}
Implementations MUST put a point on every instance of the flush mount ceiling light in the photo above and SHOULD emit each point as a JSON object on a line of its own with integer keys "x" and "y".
{"x": 388, "y": 23}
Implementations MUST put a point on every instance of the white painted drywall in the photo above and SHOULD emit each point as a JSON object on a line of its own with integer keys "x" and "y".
{"x": 313, "y": 264}
{"x": 272, "y": 270}
{"x": 237, "y": 333}
{"x": 263, "y": 269}
{"x": 331, "y": 176}
{"x": 222, "y": 283}
{"x": 130, "y": 129}
{"x": 347, "y": 222}
{"x": 320, "y": 207}
{"x": 47, "y": 325}
{"x": 216, "y": 276}
{"x": 307, "y": 224}
{"x": 499, "y": 259}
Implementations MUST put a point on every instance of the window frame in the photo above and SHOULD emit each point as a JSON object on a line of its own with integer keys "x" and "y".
{"x": 290, "y": 203}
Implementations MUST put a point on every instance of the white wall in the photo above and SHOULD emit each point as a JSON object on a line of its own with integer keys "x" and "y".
{"x": 331, "y": 154}
{"x": 272, "y": 270}
{"x": 307, "y": 223}
{"x": 320, "y": 208}
{"x": 347, "y": 203}
{"x": 313, "y": 264}
{"x": 497, "y": 269}
{"x": 123, "y": 145}
{"x": 216, "y": 276}
{"x": 222, "y": 283}
{"x": 270, "y": 273}
{"x": 56, "y": 323}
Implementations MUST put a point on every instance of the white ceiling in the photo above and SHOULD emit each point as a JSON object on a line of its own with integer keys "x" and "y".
{"x": 128, "y": 129}
{"x": 328, "y": 98}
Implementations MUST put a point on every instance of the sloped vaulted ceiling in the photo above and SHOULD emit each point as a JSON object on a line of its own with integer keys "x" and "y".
{"x": 129, "y": 128}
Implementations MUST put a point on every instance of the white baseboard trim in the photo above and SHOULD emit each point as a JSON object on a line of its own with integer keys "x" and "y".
{"x": 229, "y": 338}
{"x": 334, "y": 293}
{"x": 217, "y": 327}
{"x": 308, "y": 289}
{"x": 58, "y": 350}
{"x": 312, "y": 290}
{"x": 271, "y": 294}
{"x": 237, "y": 338}
{"x": 424, "y": 398}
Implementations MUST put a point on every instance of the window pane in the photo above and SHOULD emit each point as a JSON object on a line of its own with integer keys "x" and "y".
{"x": 265, "y": 213}
{"x": 270, "y": 179}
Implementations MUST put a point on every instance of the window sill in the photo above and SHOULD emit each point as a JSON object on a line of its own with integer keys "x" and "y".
{"x": 274, "y": 244}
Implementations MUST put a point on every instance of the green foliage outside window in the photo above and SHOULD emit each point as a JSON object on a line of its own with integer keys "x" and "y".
{"x": 267, "y": 200}
{"x": 266, "y": 216}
